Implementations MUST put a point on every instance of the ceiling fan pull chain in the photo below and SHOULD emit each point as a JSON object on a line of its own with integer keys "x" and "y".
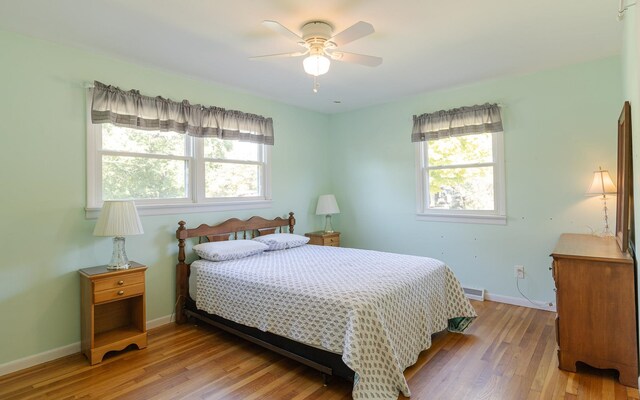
{"x": 316, "y": 84}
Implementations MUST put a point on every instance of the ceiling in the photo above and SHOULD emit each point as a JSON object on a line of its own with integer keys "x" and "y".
{"x": 426, "y": 44}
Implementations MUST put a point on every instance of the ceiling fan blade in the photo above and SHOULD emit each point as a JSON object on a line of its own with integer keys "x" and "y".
{"x": 280, "y": 55}
{"x": 354, "y": 32}
{"x": 370, "y": 61}
{"x": 281, "y": 29}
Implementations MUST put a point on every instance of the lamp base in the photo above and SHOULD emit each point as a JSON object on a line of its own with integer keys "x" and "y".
{"x": 119, "y": 258}
{"x": 115, "y": 267}
{"x": 328, "y": 228}
{"x": 606, "y": 232}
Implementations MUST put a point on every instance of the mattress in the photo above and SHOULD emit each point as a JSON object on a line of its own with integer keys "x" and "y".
{"x": 377, "y": 309}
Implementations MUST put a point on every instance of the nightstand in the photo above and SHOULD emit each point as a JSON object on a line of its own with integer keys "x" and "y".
{"x": 321, "y": 238}
{"x": 112, "y": 310}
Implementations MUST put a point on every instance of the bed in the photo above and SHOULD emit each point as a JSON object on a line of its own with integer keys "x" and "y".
{"x": 360, "y": 314}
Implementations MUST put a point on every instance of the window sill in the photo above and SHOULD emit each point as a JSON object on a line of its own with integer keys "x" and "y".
{"x": 463, "y": 218}
{"x": 186, "y": 208}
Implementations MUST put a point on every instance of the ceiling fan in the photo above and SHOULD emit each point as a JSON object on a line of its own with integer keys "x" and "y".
{"x": 320, "y": 44}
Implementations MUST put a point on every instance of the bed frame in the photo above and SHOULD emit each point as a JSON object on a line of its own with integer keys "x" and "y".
{"x": 326, "y": 362}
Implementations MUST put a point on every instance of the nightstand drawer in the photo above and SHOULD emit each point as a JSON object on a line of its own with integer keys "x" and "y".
{"x": 118, "y": 293}
{"x": 118, "y": 281}
{"x": 332, "y": 241}
{"x": 324, "y": 238}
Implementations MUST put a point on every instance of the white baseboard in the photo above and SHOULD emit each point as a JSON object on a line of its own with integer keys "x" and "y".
{"x": 30, "y": 361}
{"x": 518, "y": 301}
{"x": 49, "y": 355}
{"x": 154, "y": 323}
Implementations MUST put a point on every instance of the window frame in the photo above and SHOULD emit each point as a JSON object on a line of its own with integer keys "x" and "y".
{"x": 496, "y": 216}
{"x": 201, "y": 177}
{"x": 195, "y": 201}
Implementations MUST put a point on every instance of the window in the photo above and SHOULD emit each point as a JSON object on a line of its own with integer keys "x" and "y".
{"x": 461, "y": 178}
{"x": 459, "y": 165}
{"x": 232, "y": 168}
{"x": 169, "y": 172}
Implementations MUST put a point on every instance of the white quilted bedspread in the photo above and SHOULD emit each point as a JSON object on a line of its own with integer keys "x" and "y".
{"x": 376, "y": 309}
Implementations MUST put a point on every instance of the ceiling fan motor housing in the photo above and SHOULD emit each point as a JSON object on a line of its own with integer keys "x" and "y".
{"x": 317, "y": 33}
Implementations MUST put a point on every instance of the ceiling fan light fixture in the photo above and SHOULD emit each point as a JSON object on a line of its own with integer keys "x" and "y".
{"x": 319, "y": 41}
{"x": 316, "y": 65}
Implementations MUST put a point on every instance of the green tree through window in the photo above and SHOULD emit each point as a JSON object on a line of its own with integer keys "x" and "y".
{"x": 152, "y": 165}
{"x": 461, "y": 179}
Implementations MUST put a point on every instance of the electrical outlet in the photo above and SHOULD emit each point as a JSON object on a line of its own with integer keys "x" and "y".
{"x": 518, "y": 271}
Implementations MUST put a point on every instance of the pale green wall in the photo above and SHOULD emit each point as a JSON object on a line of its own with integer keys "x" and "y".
{"x": 631, "y": 92}
{"x": 559, "y": 126}
{"x": 42, "y": 174}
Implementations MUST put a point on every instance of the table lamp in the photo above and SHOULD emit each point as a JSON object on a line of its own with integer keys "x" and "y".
{"x": 327, "y": 206}
{"x": 602, "y": 185}
{"x": 118, "y": 219}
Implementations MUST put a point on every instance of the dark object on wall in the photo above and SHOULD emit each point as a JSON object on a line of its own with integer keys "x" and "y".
{"x": 624, "y": 210}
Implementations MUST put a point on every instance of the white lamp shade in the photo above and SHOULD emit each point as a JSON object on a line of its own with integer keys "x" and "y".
{"x": 327, "y": 205}
{"x": 316, "y": 65}
{"x": 118, "y": 218}
{"x": 601, "y": 184}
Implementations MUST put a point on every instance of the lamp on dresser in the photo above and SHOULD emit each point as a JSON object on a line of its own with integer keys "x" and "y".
{"x": 602, "y": 185}
{"x": 327, "y": 206}
{"x": 118, "y": 219}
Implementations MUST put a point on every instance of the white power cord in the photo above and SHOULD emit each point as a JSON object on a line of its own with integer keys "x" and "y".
{"x": 173, "y": 312}
{"x": 538, "y": 305}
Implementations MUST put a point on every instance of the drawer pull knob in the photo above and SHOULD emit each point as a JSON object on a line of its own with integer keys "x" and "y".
{"x": 120, "y": 283}
{"x": 120, "y": 292}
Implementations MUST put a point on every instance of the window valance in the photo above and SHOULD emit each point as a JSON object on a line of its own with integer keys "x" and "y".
{"x": 457, "y": 122}
{"x": 131, "y": 109}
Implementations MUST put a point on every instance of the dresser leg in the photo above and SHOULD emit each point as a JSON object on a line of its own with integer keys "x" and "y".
{"x": 566, "y": 362}
{"x": 628, "y": 377}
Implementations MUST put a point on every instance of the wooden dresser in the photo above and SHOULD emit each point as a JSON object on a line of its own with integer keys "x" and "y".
{"x": 112, "y": 310}
{"x": 596, "y": 303}
{"x": 321, "y": 238}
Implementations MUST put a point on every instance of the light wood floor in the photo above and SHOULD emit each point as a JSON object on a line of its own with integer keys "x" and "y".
{"x": 507, "y": 353}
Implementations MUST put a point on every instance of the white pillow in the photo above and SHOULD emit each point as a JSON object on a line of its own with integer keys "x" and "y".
{"x": 281, "y": 241}
{"x": 229, "y": 249}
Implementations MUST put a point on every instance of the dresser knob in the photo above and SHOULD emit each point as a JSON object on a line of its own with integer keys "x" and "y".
{"x": 120, "y": 292}
{"x": 120, "y": 283}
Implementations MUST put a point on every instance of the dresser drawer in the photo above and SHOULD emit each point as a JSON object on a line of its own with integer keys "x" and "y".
{"x": 118, "y": 281}
{"x": 118, "y": 293}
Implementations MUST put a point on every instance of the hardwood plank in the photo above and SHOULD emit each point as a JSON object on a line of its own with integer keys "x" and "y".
{"x": 509, "y": 352}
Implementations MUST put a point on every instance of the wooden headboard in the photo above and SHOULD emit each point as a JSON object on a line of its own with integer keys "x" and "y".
{"x": 255, "y": 226}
